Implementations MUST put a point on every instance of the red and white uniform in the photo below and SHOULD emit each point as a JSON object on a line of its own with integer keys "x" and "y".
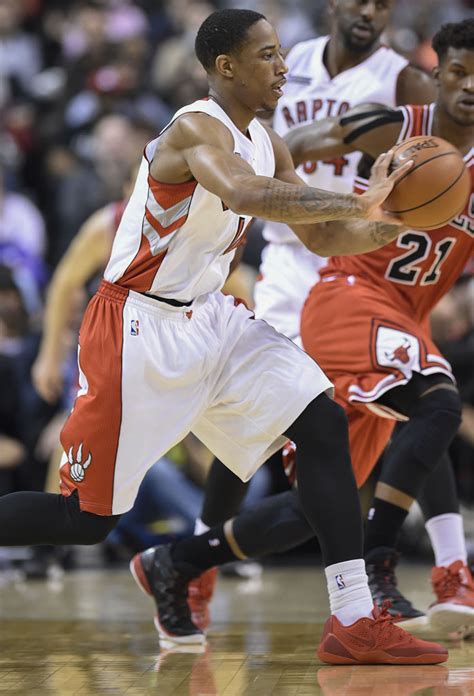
{"x": 151, "y": 372}
{"x": 375, "y": 311}
{"x": 288, "y": 269}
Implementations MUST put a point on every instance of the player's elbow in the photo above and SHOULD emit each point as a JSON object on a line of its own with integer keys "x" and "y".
{"x": 321, "y": 249}
{"x": 242, "y": 201}
{"x": 319, "y": 241}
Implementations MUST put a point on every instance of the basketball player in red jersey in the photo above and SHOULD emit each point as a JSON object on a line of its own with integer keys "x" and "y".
{"x": 163, "y": 352}
{"x": 338, "y": 324}
{"x": 376, "y": 344}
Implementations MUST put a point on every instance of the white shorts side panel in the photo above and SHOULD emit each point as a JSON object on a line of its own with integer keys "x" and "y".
{"x": 288, "y": 271}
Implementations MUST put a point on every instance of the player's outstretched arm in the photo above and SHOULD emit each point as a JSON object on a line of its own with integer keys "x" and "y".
{"x": 200, "y": 146}
{"x": 87, "y": 253}
{"x": 369, "y": 128}
{"x": 342, "y": 237}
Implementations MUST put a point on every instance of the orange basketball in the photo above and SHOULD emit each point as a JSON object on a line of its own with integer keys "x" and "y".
{"x": 437, "y": 187}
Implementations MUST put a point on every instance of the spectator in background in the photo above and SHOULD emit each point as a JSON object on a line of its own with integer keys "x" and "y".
{"x": 84, "y": 179}
{"x": 20, "y": 53}
{"x": 13, "y": 322}
{"x": 22, "y": 243}
{"x": 176, "y": 73}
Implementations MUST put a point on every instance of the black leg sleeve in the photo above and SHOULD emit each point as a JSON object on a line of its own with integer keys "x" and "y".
{"x": 439, "y": 495}
{"x": 326, "y": 483}
{"x": 223, "y": 494}
{"x": 273, "y": 525}
{"x": 424, "y": 439}
{"x": 28, "y": 518}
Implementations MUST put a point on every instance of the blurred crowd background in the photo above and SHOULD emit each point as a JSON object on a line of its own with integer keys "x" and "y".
{"x": 83, "y": 86}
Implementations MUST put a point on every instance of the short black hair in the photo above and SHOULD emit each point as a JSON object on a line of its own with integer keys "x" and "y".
{"x": 222, "y": 32}
{"x": 455, "y": 35}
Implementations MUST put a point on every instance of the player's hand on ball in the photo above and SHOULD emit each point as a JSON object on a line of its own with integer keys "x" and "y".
{"x": 381, "y": 184}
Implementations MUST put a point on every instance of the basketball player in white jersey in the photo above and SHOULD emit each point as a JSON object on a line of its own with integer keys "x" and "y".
{"x": 163, "y": 352}
{"x": 326, "y": 77}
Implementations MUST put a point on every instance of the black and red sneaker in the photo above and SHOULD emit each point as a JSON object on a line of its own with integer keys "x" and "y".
{"x": 156, "y": 575}
{"x": 380, "y": 564}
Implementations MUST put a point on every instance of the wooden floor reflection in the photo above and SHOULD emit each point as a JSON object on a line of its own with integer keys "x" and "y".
{"x": 92, "y": 634}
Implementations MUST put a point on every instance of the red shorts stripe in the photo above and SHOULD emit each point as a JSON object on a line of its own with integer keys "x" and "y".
{"x": 91, "y": 433}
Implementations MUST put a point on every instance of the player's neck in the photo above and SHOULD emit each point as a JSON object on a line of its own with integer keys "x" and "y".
{"x": 445, "y": 127}
{"x": 240, "y": 114}
{"x": 338, "y": 58}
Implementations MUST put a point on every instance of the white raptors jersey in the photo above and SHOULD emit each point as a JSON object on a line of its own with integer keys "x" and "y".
{"x": 177, "y": 240}
{"x": 311, "y": 94}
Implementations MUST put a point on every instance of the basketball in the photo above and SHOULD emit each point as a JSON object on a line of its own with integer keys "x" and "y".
{"x": 437, "y": 187}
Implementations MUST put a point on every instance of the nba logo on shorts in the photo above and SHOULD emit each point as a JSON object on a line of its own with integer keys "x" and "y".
{"x": 134, "y": 327}
{"x": 340, "y": 582}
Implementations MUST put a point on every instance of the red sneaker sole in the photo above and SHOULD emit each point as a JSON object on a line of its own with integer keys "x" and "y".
{"x": 138, "y": 574}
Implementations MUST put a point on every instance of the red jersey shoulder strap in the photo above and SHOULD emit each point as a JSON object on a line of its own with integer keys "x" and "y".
{"x": 417, "y": 120}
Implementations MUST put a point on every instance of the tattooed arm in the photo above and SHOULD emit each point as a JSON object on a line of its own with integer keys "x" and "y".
{"x": 338, "y": 237}
{"x": 199, "y": 146}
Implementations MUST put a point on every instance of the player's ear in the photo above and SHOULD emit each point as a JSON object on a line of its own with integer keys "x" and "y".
{"x": 435, "y": 72}
{"x": 224, "y": 66}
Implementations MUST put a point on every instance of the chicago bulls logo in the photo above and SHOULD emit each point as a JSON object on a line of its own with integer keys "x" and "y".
{"x": 400, "y": 353}
{"x": 77, "y": 466}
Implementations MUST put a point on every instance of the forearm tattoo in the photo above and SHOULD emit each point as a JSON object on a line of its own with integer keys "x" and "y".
{"x": 381, "y": 234}
{"x": 301, "y": 204}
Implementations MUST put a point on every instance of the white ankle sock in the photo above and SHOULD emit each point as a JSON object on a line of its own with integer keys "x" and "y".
{"x": 446, "y": 534}
{"x": 200, "y": 527}
{"x": 349, "y": 594}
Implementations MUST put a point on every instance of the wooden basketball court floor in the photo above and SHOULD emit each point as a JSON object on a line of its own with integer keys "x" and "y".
{"x": 91, "y": 633}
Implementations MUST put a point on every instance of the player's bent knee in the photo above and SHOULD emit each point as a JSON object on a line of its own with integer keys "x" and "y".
{"x": 322, "y": 421}
{"x": 433, "y": 424}
{"x": 95, "y": 529}
{"x": 443, "y": 406}
{"x": 86, "y": 528}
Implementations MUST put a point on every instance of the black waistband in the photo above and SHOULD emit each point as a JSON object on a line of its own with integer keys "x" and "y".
{"x": 167, "y": 300}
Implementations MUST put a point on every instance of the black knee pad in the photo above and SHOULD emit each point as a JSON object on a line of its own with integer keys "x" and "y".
{"x": 434, "y": 421}
{"x": 442, "y": 406}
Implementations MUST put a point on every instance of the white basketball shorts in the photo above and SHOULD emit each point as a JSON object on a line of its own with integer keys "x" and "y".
{"x": 151, "y": 373}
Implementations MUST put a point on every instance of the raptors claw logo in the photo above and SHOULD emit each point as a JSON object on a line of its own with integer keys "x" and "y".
{"x": 78, "y": 468}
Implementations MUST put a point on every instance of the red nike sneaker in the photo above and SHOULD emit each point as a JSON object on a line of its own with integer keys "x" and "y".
{"x": 453, "y": 610}
{"x": 376, "y": 641}
{"x": 200, "y": 591}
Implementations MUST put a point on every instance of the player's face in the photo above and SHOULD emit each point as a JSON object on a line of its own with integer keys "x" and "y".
{"x": 259, "y": 69}
{"x": 360, "y": 22}
{"x": 455, "y": 78}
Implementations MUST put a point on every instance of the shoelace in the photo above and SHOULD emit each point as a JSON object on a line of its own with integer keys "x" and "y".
{"x": 387, "y": 577}
{"x": 176, "y": 604}
{"x": 384, "y": 621}
{"x": 385, "y": 572}
{"x": 447, "y": 585}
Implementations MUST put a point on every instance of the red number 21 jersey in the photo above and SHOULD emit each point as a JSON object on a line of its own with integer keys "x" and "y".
{"x": 419, "y": 267}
